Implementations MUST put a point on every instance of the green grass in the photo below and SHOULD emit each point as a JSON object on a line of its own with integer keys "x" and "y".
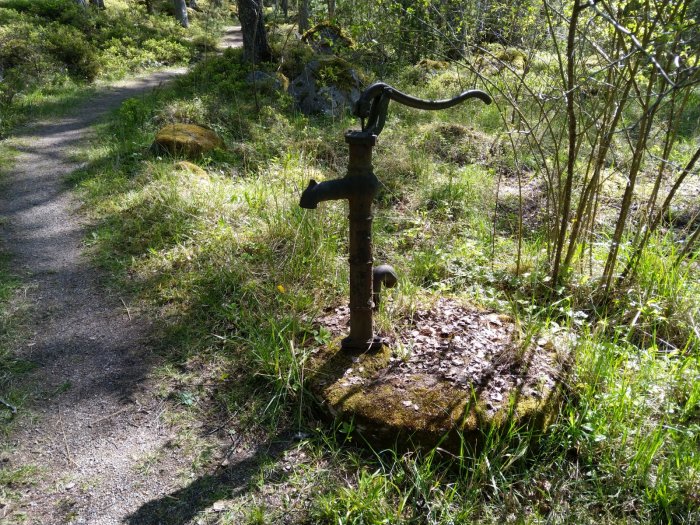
{"x": 238, "y": 272}
{"x": 12, "y": 321}
{"x": 53, "y": 51}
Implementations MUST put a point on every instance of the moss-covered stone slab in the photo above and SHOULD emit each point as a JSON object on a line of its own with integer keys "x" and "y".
{"x": 268, "y": 82}
{"x": 189, "y": 140}
{"x": 449, "y": 373}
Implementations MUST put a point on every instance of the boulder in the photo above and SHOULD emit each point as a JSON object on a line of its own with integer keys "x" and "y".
{"x": 327, "y": 38}
{"x": 328, "y": 86}
{"x": 432, "y": 66}
{"x": 189, "y": 140}
{"x": 269, "y": 82}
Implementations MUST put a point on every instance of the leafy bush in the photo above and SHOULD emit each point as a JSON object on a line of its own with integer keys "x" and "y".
{"x": 52, "y": 45}
{"x": 71, "y": 47}
{"x": 64, "y": 11}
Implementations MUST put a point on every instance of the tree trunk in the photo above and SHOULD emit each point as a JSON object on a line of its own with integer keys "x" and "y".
{"x": 331, "y": 9}
{"x": 303, "y": 16}
{"x": 100, "y": 4}
{"x": 149, "y": 7}
{"x": 181, "y": 12}
{"x": 285, "y": 8}
{"x": 255, "y": 46}
{"x": 81, "y": 3}
{"x": 193, "y": 5}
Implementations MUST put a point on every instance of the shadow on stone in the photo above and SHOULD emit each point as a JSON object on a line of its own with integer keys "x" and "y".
{"x": 464, "y": 376}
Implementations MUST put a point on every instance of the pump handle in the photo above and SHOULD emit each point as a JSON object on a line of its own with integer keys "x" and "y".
{"x": 374, "y": 103}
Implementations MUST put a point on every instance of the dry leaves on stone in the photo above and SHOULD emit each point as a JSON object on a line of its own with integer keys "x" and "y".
{"x": 473, "y": 350}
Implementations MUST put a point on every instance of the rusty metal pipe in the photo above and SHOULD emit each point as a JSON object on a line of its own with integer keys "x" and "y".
{"x": 361, "y": 336}
{"x": 328, "y": 190}
{"x": 382, "y": 275}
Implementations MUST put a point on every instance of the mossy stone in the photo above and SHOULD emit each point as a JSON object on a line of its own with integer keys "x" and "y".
{"x": 192, "y": 168}
{"x": 327, "y": 37}
{"x": 432, "y": 65}
{"x": 419, "y": 408}
{"x": 189, "y": 140}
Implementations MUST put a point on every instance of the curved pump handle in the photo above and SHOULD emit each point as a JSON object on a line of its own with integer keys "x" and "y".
{"x": 374, "y": 102}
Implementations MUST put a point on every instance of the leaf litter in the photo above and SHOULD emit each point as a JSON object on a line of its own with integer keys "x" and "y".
{"x": 479, "y": 352}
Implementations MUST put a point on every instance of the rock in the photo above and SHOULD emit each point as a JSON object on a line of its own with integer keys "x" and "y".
{"x": 513, "y": 56}
{"x": 189, "y": 140}
{"x": 458, "y": 144}
{"x": 267, "y": 81}
{"x": 327, "y": 38}
{"x": 192, "y": 168}
{"x": 498, "y": 58}
{"x": 447, "y": 396}
{"x": 432, "y": 66}
{"x": 329, "y": 86}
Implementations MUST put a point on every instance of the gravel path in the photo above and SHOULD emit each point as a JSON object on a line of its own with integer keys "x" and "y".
{"x": 98, "y": 437}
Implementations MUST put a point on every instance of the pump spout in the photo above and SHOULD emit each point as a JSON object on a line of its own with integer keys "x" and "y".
{"x": 328, "y": 190}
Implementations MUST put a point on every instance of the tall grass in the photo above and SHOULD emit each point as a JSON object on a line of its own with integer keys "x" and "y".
{"x": 239, "y": 274}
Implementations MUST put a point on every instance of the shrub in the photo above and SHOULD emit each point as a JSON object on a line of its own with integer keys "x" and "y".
{"x": 70, "y": 46}
{"x": 64, "y": 11}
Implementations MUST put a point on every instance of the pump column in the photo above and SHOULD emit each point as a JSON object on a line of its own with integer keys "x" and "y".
{"x": 365, "y": 185}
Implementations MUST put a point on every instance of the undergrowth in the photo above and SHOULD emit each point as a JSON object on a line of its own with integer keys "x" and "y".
{"x": 239, "y": 272}
{"x": 51, "y": 51}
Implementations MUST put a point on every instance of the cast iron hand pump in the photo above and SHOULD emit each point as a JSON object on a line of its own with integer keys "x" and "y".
{"x": 359, "y": 186}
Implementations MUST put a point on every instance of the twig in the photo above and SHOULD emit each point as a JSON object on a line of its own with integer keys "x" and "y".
{"x": 105, "y": 418}
{"x": 126, "y": 308}
{"x": 222, "y": 425}
{"x": 12, "y": 408}
{"x": 69, "y": 457}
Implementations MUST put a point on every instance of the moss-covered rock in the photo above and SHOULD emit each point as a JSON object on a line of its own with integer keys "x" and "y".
{"x": 189, "y": 140}
{"x": 328, "y": 85}
{"x": 190, "y": 167}
{"x": 498, "y": 58}
{"x": 465, "y": 378}
{"x": 513, "y": 56}
{"x": 458, "y": 143}
{"x": 268, "y": 82}
{"x": 327, "y": 38}
{"x": 427, "y": 64}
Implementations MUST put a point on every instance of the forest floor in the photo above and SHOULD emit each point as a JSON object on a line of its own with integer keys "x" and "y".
{"x": 97, "y": 424}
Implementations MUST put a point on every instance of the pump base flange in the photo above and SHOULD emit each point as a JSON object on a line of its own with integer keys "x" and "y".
{"x": 371, "y": 345}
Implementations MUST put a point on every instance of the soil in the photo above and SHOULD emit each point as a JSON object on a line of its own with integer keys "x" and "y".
{"x": 96, "y": 434}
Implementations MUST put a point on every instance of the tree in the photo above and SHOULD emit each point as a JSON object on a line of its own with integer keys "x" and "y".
{"x": 181, "y": 12}
{"x": 255, "y": 46}
{"x": 303, "y": 15}
{"x": 100, "y": 4}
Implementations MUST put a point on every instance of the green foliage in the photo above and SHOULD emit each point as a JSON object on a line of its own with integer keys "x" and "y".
{"x": 54, "y": 46}
{"x": 63, "y": 11}
{"x": 240, "y": 273}
{"x": 70, "y": 46}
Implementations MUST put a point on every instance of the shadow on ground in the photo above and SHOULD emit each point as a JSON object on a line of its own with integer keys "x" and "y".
{"x": 181, "y": 506}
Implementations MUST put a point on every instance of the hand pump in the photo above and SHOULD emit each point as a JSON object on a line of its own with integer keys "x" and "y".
{"x": 360, "y": 186}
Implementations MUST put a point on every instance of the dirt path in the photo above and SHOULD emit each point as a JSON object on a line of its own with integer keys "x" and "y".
{"x": 98, "y": 425}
